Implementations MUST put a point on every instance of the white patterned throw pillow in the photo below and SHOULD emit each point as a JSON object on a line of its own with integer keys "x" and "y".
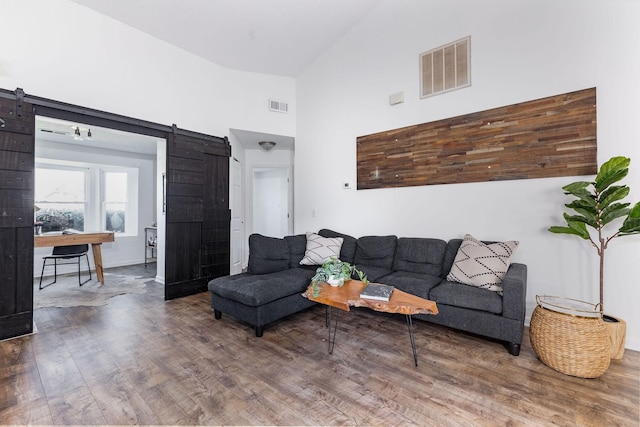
{"x": 482, "y": 265}
{"x": 321, "y": 249}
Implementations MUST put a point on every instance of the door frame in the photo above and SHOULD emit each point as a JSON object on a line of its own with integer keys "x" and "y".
{"x": 237, "y": 203}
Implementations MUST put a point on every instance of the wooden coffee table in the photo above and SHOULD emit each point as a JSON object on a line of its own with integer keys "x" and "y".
{"x": 348, "y": 295}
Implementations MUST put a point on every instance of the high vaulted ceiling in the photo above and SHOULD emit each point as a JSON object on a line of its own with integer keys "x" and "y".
{"x": 281, "y": 37}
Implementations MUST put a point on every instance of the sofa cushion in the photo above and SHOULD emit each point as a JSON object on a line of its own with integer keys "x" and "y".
{"x": 348, "y": 249}
{"x": 461, "y": 295}
{"x": 259, "y": 289}
{"x": 418, "y": 284}
{"x": 375, "y": 251}
{"x": 297, "y": 247}
{"x": 419, "y": 255}
{"x": 321, "y": 249}
{"x": 482, "y": 265}
{"x": 267, "y": 254}
{"x": 372, "y": 272}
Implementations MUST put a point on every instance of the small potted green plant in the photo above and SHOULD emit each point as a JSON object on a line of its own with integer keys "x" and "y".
{"x": 335, "y": 272}
{"x": 595, "y": 208}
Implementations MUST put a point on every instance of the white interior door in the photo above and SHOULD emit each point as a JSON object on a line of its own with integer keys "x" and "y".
{"x": 271, "y": 201}
{"x": 237, "y": 217}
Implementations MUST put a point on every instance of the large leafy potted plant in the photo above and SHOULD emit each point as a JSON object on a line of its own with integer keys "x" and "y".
{"x": 598, "y": 204}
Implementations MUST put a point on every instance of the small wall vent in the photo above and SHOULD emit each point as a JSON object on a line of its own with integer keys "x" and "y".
{"x": 445, "y": 68}
{"x": 278, "y": 106}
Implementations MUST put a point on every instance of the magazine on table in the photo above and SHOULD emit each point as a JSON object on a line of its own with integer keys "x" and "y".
{"x": 377, "y": 291}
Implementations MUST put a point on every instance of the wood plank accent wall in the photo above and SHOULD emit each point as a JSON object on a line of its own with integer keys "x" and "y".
{"x": 548, "y": 137}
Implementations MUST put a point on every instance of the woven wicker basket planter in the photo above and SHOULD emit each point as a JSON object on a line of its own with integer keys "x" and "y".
{"x": 570, "y": 337}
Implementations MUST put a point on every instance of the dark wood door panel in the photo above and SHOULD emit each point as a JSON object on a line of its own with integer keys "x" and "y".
{"x": 11, "y": 140}
{"x": 198, "y": 218}
{"x": 184, "y": 250}
{"x": 16, "y": 219}
{"x": 24, "y": 270}
{"x": 8, "y": 270}
{"x": 17, "y": 180}
{"x": 216, "y": 243}
{"x": 181, "y": 146}
{"x": 178, "y": 189}
{"x": 184, "y": 209}
{"x": 16, "y": 161}
{"x": 216, "y": 169}
{"x": 177, "y": 164}
{"x": 13, "y": 217}
{"x": 180, "y": 176}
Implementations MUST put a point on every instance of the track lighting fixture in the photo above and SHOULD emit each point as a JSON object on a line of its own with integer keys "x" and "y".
{"x": 77, "y": 134}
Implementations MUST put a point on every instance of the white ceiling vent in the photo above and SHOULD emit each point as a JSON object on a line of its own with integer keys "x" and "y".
{"x": 278, "y": 106}
{"x": 445, "y": 68}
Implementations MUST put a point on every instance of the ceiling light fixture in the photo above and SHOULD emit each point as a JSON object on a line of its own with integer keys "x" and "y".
{"x": 77, "y": 133}
{"x": 267, "y": 145}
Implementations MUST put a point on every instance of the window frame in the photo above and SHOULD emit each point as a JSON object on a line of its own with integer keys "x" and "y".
{"x": 94, "y": 203}
{"x": 131, "y": 202}
{"x": 68, "y": 167}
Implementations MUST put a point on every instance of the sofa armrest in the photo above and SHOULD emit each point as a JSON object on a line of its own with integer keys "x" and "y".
{"x": 514, "y": 286}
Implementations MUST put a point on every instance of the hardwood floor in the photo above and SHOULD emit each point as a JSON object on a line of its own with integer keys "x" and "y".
{"x": 141, "y": 360}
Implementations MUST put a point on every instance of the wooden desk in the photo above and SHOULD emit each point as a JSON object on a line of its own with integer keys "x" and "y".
{"x": 94, "y": 239}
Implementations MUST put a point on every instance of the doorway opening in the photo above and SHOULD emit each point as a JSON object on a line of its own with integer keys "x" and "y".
{"x": 272, "y": 201}
{"x": 118, "y": 190}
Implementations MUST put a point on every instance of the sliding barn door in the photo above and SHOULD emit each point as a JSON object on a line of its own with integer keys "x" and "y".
{"x": 17, "y": 123}
{"x": 197, "y": 213}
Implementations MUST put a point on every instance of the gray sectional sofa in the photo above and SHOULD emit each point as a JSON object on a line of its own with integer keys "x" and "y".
{"x": 272, "y": 286}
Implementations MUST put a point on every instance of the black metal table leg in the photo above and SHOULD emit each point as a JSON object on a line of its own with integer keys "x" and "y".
{"x": 413, "y": 342}
{"x": 332, "y": 341}
{"x": 326, "y": 315}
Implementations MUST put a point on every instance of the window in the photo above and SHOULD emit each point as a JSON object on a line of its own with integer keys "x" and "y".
{"x": 115, "y": 201}
{"x": 60, "y": 198}
{"x": 86, "y": 197}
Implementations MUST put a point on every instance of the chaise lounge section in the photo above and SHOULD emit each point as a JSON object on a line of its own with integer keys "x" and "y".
{"x": 272, "y": 286}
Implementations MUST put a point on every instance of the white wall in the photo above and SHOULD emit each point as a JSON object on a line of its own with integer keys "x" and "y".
{"x": 520, "y": 51}
{"x": 60, "y": 50}
{"x": 128, "y": 249}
